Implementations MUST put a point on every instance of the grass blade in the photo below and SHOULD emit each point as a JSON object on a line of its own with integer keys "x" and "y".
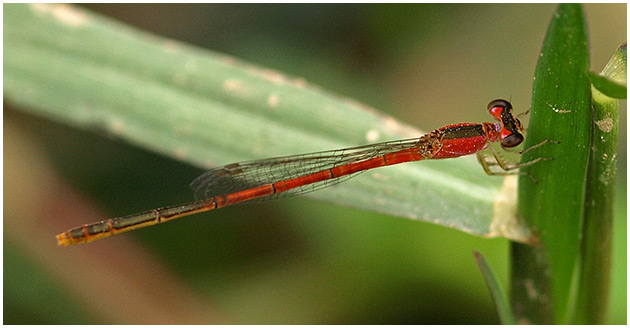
{"x": 208, "y": 109}
{"x": 498, "y": 295}
{"x": 561, "y": 106}
{"x": 597, "y": 229}
{"x": 608, "y": 87}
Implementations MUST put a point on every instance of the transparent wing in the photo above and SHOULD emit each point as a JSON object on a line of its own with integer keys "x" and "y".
{"x": 246, "y": 175}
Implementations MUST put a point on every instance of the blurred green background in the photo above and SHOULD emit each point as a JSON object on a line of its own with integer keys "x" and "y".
{"x": 296, "y": 260}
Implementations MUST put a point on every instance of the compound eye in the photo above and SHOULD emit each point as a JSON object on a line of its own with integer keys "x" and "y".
{"x": 512, "y": 141}
{"x": 497, "y": 106}
{"x": 499, "y": 103}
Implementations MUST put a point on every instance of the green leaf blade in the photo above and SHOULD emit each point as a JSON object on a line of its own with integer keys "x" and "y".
{"x": 553, "y": 207}
{"x": 608, "y": 87}
{"x": 500, "y": 299}
{"x": 594, "y": 291}
{"x": 208, "y": 109}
